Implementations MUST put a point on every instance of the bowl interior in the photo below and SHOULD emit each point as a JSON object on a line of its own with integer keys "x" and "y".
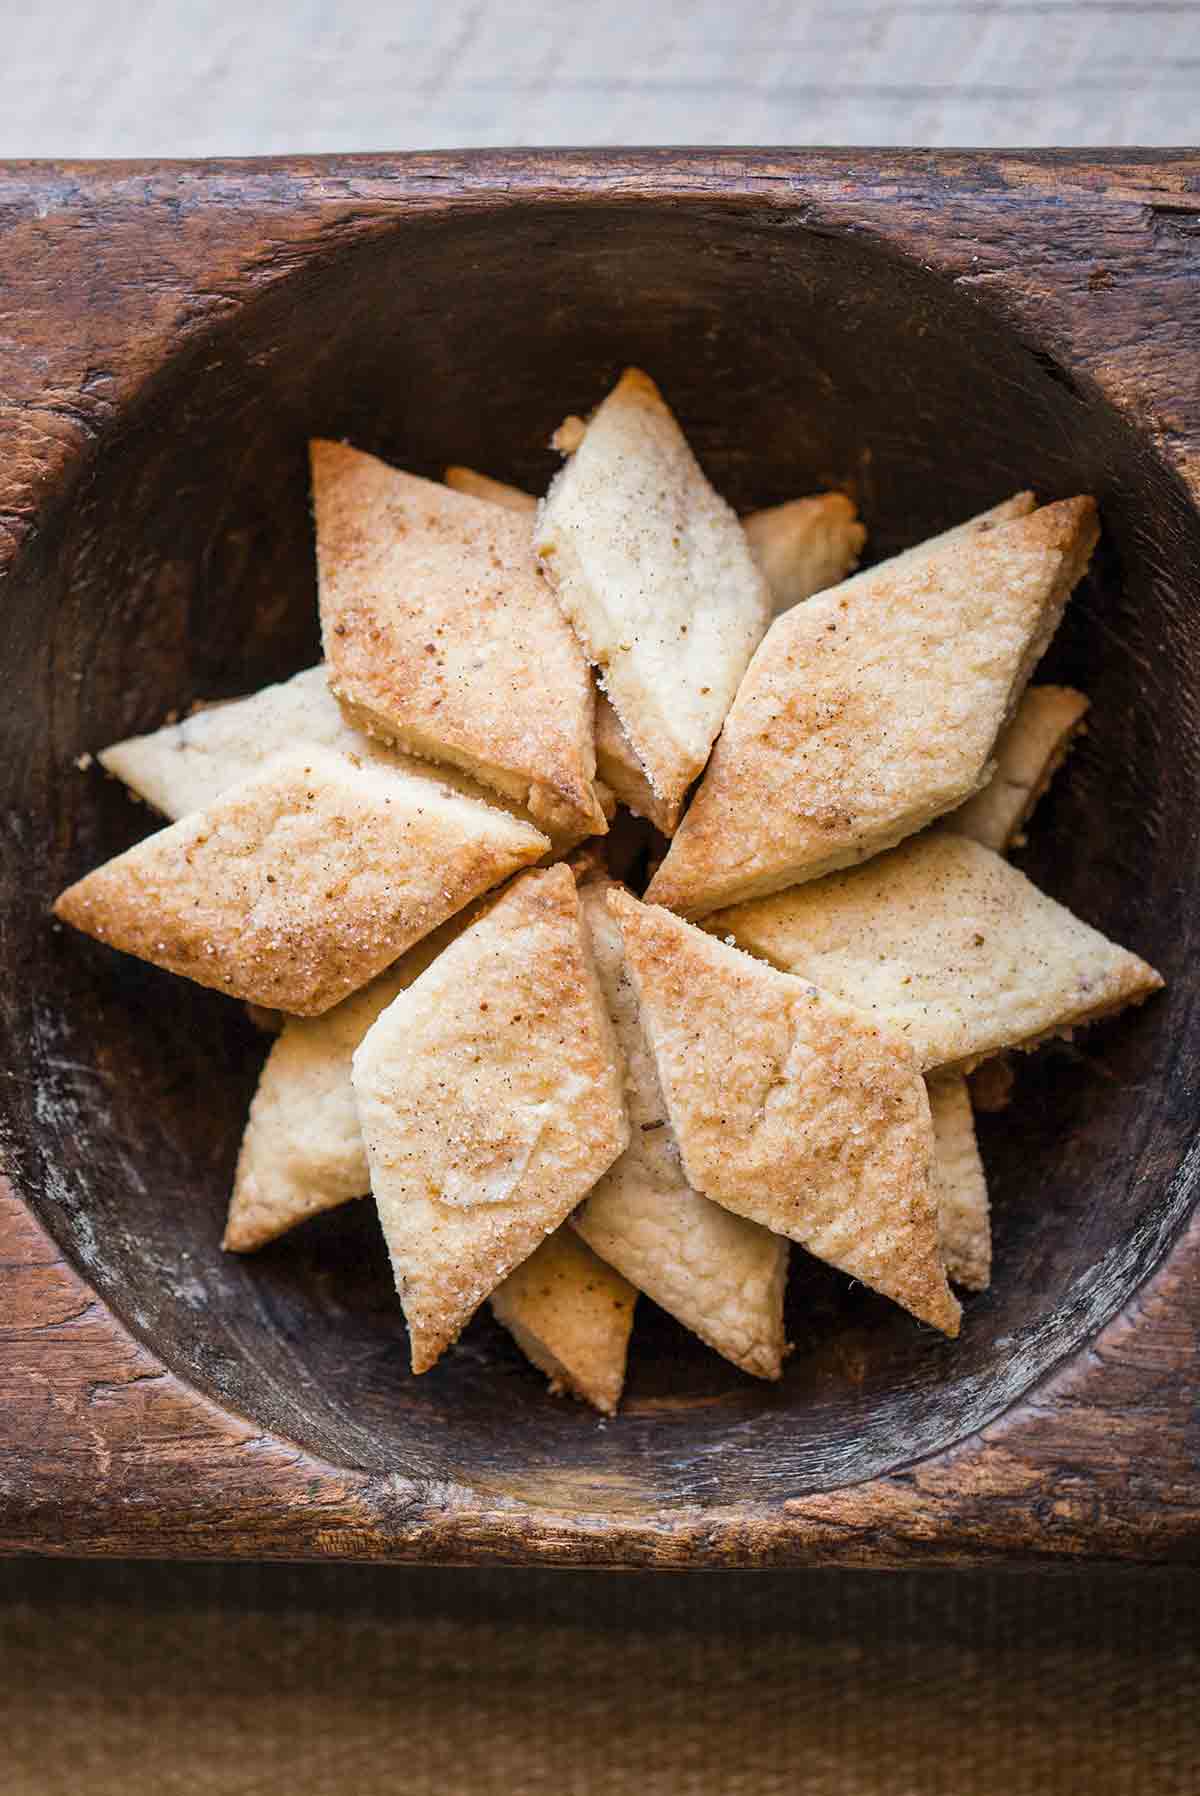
{"x": 181, "y": 568}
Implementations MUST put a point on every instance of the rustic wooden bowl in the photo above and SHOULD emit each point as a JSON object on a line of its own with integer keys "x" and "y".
{"x": 932, "y": 331}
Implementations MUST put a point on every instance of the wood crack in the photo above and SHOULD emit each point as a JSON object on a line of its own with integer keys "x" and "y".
{"x": 109, "y": 1387}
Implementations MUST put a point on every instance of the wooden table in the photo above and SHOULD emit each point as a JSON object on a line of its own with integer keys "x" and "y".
{"x": 143, "y": 78}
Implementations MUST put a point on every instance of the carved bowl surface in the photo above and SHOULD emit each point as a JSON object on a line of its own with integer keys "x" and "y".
{"x": 182, "y": 568}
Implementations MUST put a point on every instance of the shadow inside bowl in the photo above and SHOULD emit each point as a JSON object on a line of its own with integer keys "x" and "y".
{"x": 182, "y": 568}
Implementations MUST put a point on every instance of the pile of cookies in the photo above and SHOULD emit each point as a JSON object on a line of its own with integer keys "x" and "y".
{"x": 416, "y": 862}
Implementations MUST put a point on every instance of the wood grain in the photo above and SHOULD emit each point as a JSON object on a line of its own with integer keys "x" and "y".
{"x": 212, "y": 81}
{"x": 105, "y": 1452}
{"x": 180, "y": 328}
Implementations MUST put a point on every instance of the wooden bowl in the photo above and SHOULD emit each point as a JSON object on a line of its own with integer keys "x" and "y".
{"x": 931, "y": 331}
